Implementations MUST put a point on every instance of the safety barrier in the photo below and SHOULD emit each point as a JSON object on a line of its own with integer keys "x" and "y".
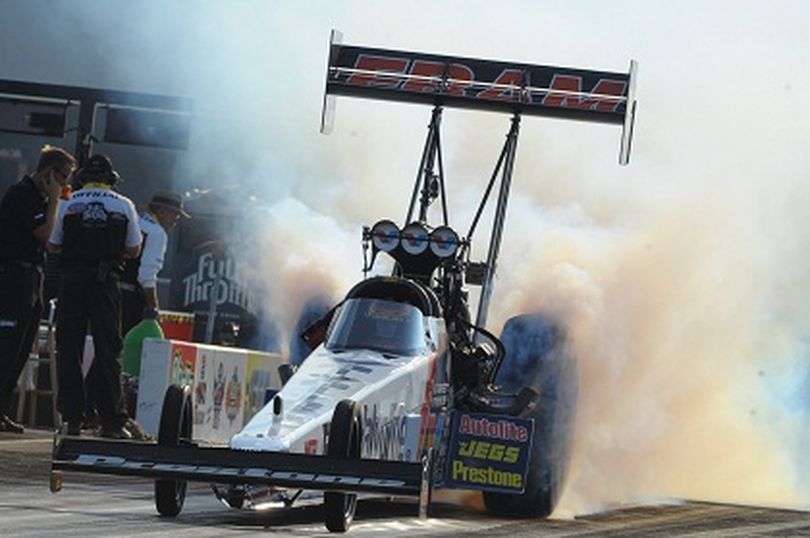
{"x": 229, "y": 385}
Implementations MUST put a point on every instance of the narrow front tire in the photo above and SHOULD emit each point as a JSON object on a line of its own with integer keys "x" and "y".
{"x": 344, "y": 442}
{"x": 175, "y": 428}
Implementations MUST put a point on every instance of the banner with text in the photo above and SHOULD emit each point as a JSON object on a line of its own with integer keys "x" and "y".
{"x": 488, "y": 452}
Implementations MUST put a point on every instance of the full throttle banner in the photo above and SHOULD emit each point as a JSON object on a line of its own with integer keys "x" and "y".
{"x": 465, "y": 82}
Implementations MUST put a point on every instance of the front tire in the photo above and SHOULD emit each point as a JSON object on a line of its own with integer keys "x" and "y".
{"x": 344, "y": 442}
{"x": 175, "y": 428}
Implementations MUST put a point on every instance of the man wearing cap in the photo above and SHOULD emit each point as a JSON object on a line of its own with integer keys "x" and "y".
{"x": 95, "y": 229}
{"x": 139, "y": 297}
{"x": 139, "y": 283}
{"x": 27, "y": 216}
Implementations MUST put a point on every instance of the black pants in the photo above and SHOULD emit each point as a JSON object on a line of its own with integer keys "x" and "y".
{"x": 20, "y": 309}
{"x": 132, "y": 305}
{"x": 84, "y": 299}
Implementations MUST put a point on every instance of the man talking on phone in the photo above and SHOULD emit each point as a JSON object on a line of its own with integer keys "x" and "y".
{"x": 27, "y": 216}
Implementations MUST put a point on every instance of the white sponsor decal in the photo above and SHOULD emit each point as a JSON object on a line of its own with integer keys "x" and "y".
{"x": 230, "y": 289}
{"x": 92, "y": 460}
{"x": 337, "y": 479}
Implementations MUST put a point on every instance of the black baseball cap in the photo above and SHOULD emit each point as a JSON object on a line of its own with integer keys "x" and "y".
{"x": 98, "y": 168}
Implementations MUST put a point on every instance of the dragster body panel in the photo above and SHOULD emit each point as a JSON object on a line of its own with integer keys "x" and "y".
{"x": 392, "y": 390}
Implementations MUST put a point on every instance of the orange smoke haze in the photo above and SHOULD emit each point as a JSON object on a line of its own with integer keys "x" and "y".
{"x": 666, "y": 323}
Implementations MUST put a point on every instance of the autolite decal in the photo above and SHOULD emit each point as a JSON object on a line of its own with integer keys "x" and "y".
{"x": 507, "y": 430}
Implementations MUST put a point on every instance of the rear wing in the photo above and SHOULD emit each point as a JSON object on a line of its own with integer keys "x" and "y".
{"x": 516, "y": 88}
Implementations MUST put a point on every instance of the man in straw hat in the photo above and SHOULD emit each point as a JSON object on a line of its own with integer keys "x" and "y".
{"x": 139, "y": 283}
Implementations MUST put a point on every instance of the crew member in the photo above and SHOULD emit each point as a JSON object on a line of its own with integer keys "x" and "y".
{"x": 139, "y": 296}
{"x": 94, "y": 231}
{"x": 139, "y": 284}
{"x": 27, "y": 215}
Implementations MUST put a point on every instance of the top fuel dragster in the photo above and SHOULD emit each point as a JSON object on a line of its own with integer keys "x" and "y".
{"x": 404, "y": 392}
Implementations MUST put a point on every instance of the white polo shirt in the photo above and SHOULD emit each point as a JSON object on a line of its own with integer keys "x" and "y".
{"x": 154, "y": 250}
{"x": 95, "y": 203}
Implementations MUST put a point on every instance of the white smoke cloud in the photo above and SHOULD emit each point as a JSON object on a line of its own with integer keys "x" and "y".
{"x": 296, "y": 255}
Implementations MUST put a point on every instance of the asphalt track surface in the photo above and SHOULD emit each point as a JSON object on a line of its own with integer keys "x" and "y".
{"x": 91, "y": 505}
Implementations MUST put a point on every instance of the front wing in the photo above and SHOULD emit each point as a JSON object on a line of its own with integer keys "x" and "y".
{"x": 228, "y": 466}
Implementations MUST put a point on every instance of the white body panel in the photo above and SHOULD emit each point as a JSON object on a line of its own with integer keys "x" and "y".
{"x": 393, "y": 392}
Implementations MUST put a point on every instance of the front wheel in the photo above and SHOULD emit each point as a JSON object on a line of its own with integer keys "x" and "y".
{"x": 175, "y": 428}
{"x": 344, "y": 442}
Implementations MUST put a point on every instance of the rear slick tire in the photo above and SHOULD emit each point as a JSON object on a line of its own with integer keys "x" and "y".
{"x": 344, "y": 442}
{"x": 175, "y": 429}
{"x": 537, "y": 356}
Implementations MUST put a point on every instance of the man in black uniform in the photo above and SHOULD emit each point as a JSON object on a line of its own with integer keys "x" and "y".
{"x": 94, "y": 231}
{"x": 139, "y": 296}
{"x": 27, "y": 215}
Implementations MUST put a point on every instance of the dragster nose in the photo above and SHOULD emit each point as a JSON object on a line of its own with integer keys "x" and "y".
{"x": 259, "y": 442}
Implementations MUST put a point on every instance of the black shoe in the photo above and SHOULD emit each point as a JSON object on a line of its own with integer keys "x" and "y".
{"x": 137, "y": 432}
{"x": 115, "y": 433}
{"x": 74, "y": 429}
{"x": 92, "y": 421}
{"x": 8, "y": 425}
